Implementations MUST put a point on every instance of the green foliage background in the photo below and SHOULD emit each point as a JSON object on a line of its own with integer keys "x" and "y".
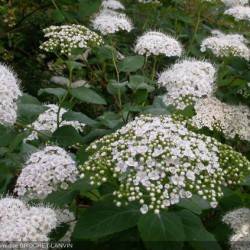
{"x": 106, "y": 105}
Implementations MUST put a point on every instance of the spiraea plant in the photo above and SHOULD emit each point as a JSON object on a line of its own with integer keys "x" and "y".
{"x": 125, "y": 124}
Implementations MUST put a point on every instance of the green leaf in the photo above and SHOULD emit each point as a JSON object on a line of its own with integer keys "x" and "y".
{"x": 110, "y": 120}
{"x": 88, "y": 7}
{"x": 87, "y": 95}
{"x": 114, "y": 88}
{"x": 97, "y": 133}
{"x": 58, "y": 92}
{"x": 163, "y": 227}
{"x": 66, "y": 136}
{"x": 131, "y": 64}
{"x": 65, "y": 197}
{"x": 28, "y": 99}
{"x": 77, "y": 116}
{"x": 138, "y": 82}
{"x": 28, "y": 113}
{"x": 196, "y": 233}
{"x": 7, "y": 135}
{"x": 73, "y": 65}
{"x": 104, "y": 219}
{"x": 195, "y": 204}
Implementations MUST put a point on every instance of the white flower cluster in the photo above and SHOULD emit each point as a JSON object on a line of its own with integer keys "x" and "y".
{"x": 239, "y": 221}
{"x": 239, "y": 12}
{"x": 64, "y": 216}
{"x": 187, "y": 81}
{"x": 232, "y": 120}
{"x": 223, "y": 45}
{"x": 158, "y": 161}
{"x": 149, "y": 1}
{"x": 110, "y": 22}
{"x": 156, "y": 43}
{"x": 112, "y": 4}
{"x": 21, "y": 222}
{"x": 64, "y": 38}
{"x": 231, "y": 3}
{"x": 46, "y": 171}
{"x": 47, "y": 121}
{"x": 9, "y": 93}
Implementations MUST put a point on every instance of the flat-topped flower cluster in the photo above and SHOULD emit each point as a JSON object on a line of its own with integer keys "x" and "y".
{"x": 62, "y": 39}
{"x": 157, "y": 43}
{"x": 9, "y": 93}
{"x": 224, "y": 45}
{"x": 232, "y": 120}
{"x": 239, "y": 221}
{"x": 46, "y": 171}
{"x": 110, "y": 22}
{"x": 158, "y": 161}
{"x": 187, "y": 81}
{"x": 21, "y": 222}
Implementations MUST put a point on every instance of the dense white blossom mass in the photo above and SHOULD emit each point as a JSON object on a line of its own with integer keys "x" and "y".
{"x": 239, "y": 12}
{"x": 156, "y": 43}
{"x": 149, "y": 1}
{"x": 187, "y": 81}
{"x": 232, "y": 120}
{"x": 21, "y": 222}
{"x": 9, "y": 93}
{"x": 239, "y": 221}
{"x": 112, "y": 4}
{"x": 47, "y": 121}
{"x": 64, "y": 38}
{"x": 109, "y": 22}
{"x": 231, "y": 3}
{"x": 158, "y": 161}
{"x": 224, "y": 45}
{"x": 47, "y": 170}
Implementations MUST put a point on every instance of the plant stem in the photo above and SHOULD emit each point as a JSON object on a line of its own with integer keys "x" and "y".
{"x": 63, "y": 99}
{"x": 154, "y": 68}
{"x": 196, "y": 28}
{"x": 115, "y": 65}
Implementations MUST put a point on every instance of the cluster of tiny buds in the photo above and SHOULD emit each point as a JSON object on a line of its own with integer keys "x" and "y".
{"x": 158, "y": 161}
{"x": 64, "y": 38}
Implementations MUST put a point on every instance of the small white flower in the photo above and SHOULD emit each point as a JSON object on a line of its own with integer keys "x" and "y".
{"x": 144, "y": 209}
